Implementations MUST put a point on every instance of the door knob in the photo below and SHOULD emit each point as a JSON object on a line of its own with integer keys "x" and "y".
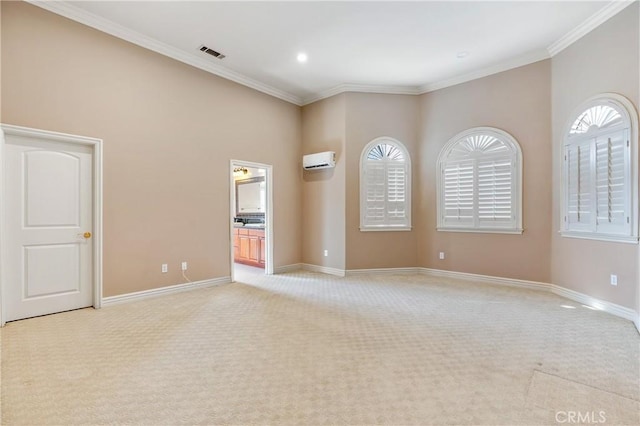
{"x": 87, "y": 235}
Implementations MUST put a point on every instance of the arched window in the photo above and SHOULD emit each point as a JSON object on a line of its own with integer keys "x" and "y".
{"x": 385, "y": 186}
{"x": 599, "y": 170}
{"x": 480, "y": 182}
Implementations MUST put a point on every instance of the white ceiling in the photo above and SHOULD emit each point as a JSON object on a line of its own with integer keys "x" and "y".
{"x": 388, "y": 47}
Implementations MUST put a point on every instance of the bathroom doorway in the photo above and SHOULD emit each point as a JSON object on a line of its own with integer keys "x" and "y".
{"x": 251, "y": 210}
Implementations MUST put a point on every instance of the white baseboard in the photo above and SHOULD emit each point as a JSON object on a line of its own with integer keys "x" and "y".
{"x": 287, "y": 268}
{"x": 511, "y": 282}
{"x": 323, "y": 269}
{"x": 355, "y": 272}
{"x": 601, "y": 305}
{"x": 162, "y": 291}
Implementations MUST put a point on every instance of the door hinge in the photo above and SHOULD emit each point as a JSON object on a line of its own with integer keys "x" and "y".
{"x": 627, "y": 219}
{"x": 627, "y": 143}
{"x": 565, "y": 218}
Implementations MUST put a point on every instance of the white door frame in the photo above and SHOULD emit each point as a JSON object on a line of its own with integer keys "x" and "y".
{"x": 96, "y": 145}
{"x": 268, "y": 220}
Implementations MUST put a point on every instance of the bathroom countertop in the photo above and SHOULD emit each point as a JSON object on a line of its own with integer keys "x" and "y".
{"x": 249, "y": 226}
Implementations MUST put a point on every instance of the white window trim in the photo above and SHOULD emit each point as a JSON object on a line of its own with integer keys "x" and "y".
{"x": 363, "y": 154}
{"x": 499, "y": 134}
{"x": 631, "y": 118}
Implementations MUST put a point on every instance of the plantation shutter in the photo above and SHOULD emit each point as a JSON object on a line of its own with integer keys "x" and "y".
{"x": 599, "y": 199}
{"x": 458, "y": 193}
{"x": 612, "y": 155}
{"x": 385, "y": 186}
{"x": 480, "y": 183}
{"x": 396, "y": 192}
{"x": 579, "y": 197}
{"x": 495, "y": 193}
{"x": 375, "y": 192}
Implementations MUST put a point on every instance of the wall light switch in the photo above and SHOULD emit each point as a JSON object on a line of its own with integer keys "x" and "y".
{"x": 441, "y": 255}
{"x": 614, "y": 279}
{"x": 326, "y": 253}
{"x": 184, "y": 266}
{"x": 165, "y": 268}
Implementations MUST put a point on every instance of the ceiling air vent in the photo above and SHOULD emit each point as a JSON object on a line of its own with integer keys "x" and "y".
{"x": 211, "y": 52}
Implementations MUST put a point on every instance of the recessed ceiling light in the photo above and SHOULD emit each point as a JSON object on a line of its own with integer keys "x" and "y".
{"x": 302, "y": 57}
{"x": 462, "y": 54}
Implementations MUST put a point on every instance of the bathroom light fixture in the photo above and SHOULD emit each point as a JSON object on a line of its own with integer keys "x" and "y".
{"x": 240, "y": 172}
{"x": 302, "y": 57}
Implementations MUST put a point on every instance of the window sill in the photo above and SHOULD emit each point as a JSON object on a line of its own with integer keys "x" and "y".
{"x": 600, "y": 237}
{"x": 385, "y": 228}
{"x": 483, "y": 230}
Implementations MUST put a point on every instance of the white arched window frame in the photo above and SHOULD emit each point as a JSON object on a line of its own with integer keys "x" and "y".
{"x": 600, "y": 171}
{"x": 385, "y": 186}
{"x": 479, "y": 183}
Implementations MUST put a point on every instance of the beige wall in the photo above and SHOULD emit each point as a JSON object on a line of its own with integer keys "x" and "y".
{"x": 331, "y": 202}
{"x": 323, "y": 206}
{"x": 169, "y": 131}
{"x": 516, "y": 101}
{"x": 605, "y": 60}
{"x": 369, "y": 116}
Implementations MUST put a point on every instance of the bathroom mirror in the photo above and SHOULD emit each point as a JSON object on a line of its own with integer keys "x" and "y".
{"x": 251, "y": 196}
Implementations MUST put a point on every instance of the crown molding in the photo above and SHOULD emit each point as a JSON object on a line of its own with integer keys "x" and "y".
{"x": 530, "y": 58}
{"x": 594, "y": 21}
{"x": 430, "y": 87}
{"x": 77, "y": 14}
{"x": 66, "y": 9}
{"x": 362, "y": 88}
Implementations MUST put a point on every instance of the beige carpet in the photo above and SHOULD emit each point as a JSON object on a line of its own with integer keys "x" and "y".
{"x": 311, "y": 349}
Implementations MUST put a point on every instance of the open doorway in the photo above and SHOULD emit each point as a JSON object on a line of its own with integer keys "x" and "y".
{"x": 251, "y": 210}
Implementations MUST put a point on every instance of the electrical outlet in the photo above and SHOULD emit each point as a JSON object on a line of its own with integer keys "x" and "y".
{"x": 441, "y": 255}
{"x": 614, "y": 279}
{"x": 165, "y": 268}
{"x": 184, "y": 266}
{"x": 326, "y": 253}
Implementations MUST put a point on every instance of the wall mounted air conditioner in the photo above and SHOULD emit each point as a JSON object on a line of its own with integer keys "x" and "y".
{"x": 321, "y": 160}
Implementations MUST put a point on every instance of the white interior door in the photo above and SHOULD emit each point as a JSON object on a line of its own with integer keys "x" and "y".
{"x": 48, "y": 225}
